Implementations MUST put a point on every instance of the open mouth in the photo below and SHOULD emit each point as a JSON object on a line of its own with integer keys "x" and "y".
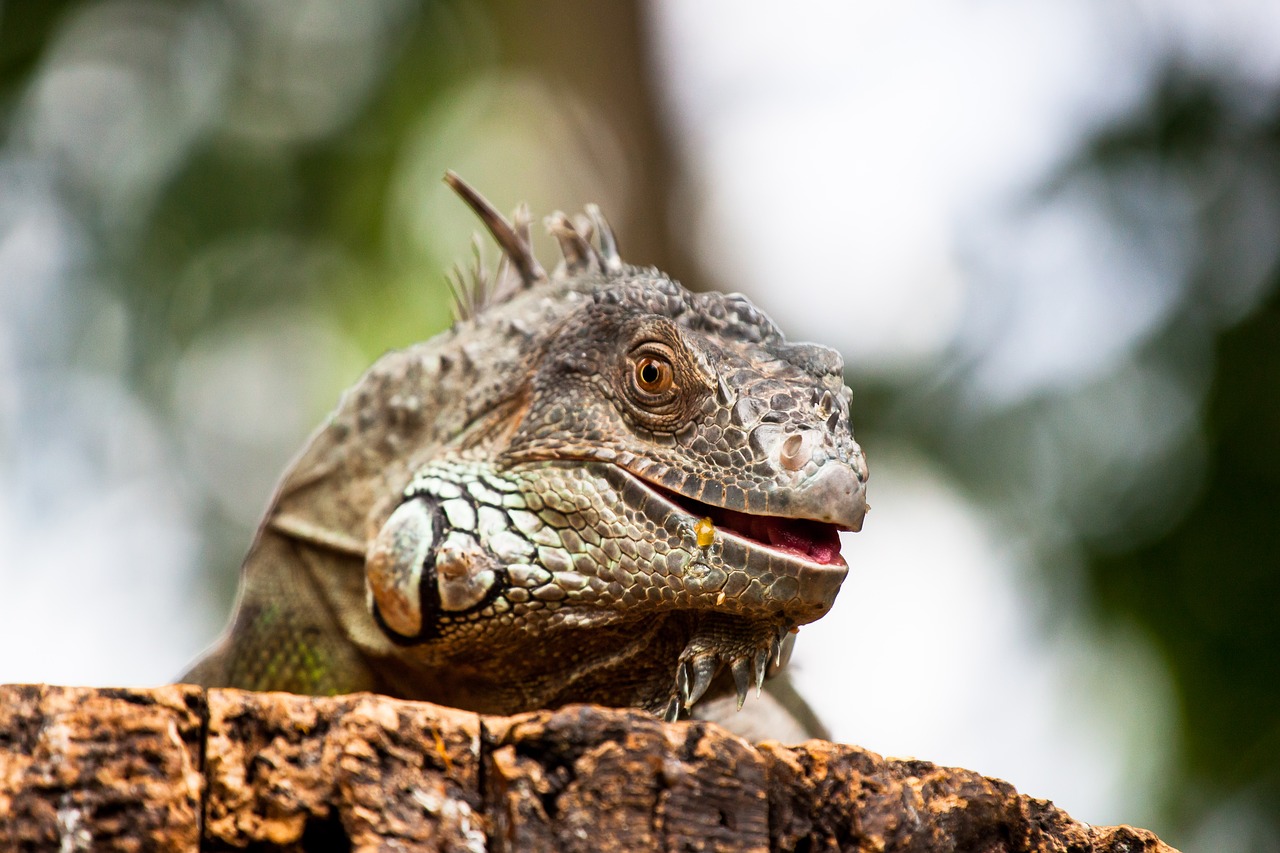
{"x": 814, "y": 541}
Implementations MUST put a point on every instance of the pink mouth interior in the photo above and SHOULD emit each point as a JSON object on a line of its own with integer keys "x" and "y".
{"x": 815, "y": 541}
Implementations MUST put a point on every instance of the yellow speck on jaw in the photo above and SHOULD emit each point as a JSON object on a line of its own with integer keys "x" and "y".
{"x": 705, "y": 530}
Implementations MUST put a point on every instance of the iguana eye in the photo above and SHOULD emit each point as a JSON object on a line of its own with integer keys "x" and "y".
{"x": 653, "y": 374}
{"x": 657, "y": 387}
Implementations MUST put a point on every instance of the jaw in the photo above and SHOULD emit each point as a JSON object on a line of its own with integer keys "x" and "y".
{"x": 695, "y": 620}
{"x": 663, "y": 662}
{"x": 781, "y": 570}
{"x": 622, "y": 664}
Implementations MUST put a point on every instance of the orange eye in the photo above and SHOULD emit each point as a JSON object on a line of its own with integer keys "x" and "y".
{"x": 653, "y": 375}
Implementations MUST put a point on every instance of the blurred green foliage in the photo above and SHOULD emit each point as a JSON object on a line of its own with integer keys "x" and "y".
{"x": 1207, "y": 587}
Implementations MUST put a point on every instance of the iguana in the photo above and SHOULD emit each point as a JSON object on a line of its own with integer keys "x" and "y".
{"x": 597, "y": 486}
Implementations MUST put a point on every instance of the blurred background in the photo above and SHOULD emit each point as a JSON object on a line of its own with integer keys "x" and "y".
{"x": 1045, "y": 237}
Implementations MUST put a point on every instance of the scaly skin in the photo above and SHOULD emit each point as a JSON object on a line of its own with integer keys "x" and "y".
{"x": 597, "y": 487}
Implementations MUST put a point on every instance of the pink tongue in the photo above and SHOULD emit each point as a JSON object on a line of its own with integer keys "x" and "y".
{"x": 818, "y": 542}
{"x": 813, "y": 540}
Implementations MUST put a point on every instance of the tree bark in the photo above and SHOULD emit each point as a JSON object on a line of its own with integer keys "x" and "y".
{"x": 181, "y": 768}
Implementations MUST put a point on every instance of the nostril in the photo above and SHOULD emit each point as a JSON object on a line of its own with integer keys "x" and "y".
{"x": 794, "y": 453}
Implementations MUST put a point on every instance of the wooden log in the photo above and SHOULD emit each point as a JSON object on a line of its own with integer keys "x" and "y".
{"x": 180, "y": 768}
{"x": 88, "y": 769}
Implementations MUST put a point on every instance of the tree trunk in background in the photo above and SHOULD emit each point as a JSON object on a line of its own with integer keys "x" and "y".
{"x": 599, "y": 51}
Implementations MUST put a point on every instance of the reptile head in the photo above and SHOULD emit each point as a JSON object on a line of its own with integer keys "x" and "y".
{"x": 672, "y": 474}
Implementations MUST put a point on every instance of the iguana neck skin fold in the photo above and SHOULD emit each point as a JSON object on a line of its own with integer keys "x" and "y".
{"x": 597, "y": 487}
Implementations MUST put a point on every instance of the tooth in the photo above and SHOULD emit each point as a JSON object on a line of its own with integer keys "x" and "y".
{"x": 741, "y": 678}
{"x": 761, "y": 662}
{"x": 704, "y": 668}
{"x": 672, "y": 712}
{"x": 786, "y": 644}
{"x": 682, "y": 682}
{"x": 724, "y": 394}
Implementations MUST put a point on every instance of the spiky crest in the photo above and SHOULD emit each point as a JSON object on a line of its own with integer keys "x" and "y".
{"x": 475, "y": 290}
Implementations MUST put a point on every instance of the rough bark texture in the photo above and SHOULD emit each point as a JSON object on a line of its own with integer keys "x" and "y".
{"x": 179, "y": 768}
{"x": 85, "y": 769}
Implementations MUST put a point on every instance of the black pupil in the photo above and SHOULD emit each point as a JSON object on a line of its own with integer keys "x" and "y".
{"x": 649, "y": 373}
